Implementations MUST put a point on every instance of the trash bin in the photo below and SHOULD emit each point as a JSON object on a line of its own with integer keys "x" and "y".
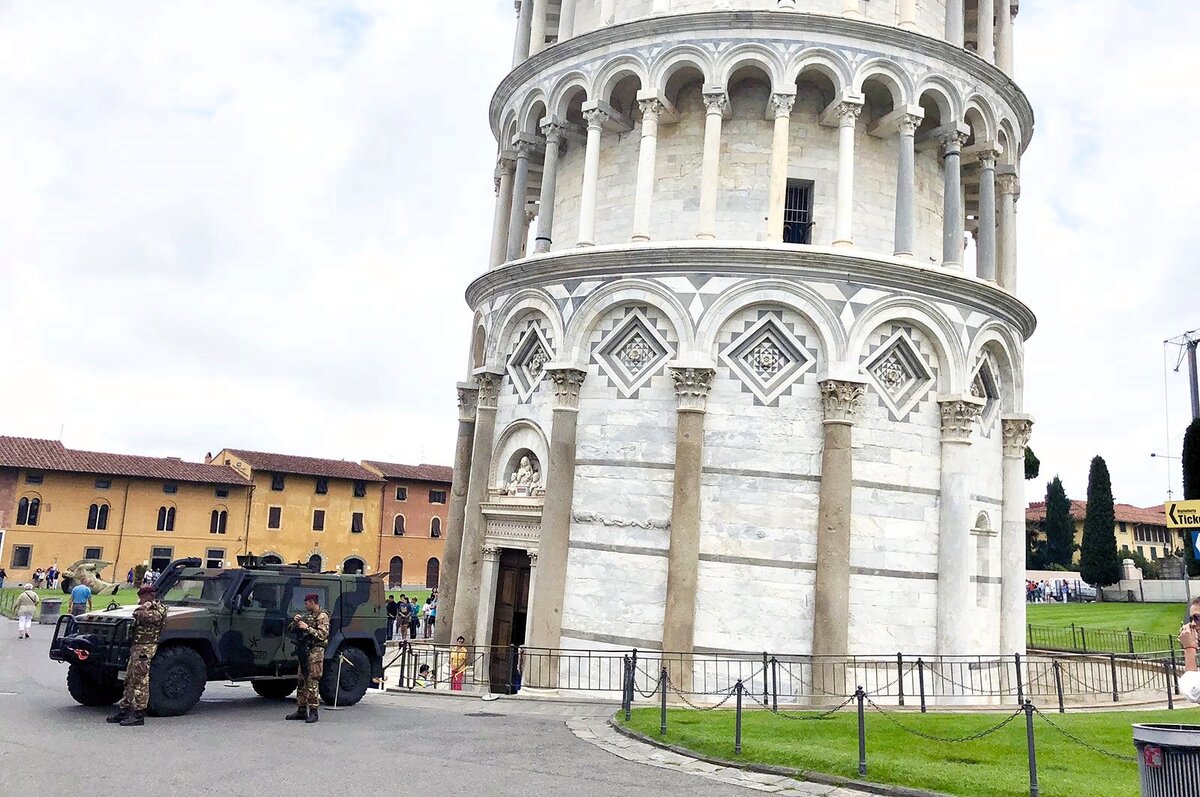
{"x": 1168, "y": 759}
{"x": 51, "y": 609}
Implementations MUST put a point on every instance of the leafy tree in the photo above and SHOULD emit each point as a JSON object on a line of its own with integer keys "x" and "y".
{"x": 1060, "y": 530}
{"x": 1191, "y": 486}
{"x": 1035, "y": 549}
{"x": 1099, "y": 562}
{"x": 1033, "y": 465}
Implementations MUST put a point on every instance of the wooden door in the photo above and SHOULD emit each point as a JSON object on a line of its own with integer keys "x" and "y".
{"x": 508, "y": 620}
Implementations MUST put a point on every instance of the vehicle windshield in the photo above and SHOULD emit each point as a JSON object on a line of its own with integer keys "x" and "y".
{"x": 201, "y": 589}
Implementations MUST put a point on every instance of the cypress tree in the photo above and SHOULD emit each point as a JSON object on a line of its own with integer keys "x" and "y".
{"x": 1033, "y": 465}
{"x": 1060, "y": 530}
{"x": 1099, "y": 563}
{"x": 1191, "y": 486}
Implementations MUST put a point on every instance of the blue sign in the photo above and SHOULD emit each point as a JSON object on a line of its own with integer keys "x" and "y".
{"x": 1196, "y": 543}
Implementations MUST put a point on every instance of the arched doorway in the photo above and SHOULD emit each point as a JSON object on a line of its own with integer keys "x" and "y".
{"x": 395, "y": 573}
{"x": 353, "y": 566}
{"x": 270, "y": 559}
{"x": 314, "y": 563}
{"x": 432, "y": 568}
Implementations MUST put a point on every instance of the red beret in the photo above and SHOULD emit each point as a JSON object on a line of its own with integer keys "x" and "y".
{"x": 312, "y": 596}
{"x": 146, "y": 589}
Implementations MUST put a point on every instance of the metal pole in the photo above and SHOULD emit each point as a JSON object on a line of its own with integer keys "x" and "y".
{"x": 862, "y": 734}
{"x": 737, "y": 725}
{"x": 1129, "y": 633}
{"x": 1170, "y": 691}
{"x": 764, "y": 678}
{"x": 1195, "y": 380}
{"x": 1031, "y": 749}
{"x": 1112, "y": 661}
{"x": 1083, "y": 638}
{"x": 625, "y": 685}
{"x": 1058, "y": 687}
{"x": 662, "y": 687}
{"x": 774, "y": 684}
{"x": 900, "y": 675}
{"x": 921, "y": 682}
{"x": 1020, "y": 685}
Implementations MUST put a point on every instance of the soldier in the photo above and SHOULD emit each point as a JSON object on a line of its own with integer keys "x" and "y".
{"x": 312, "y": 628}
{"x": 148, "y": 620}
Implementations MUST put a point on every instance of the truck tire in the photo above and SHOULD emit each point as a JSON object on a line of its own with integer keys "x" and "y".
{"x": 356, "y": 677}
{"x": 274, "y": 689}
{"x": 177, "y": 678}
{"x": 93, "y": 686}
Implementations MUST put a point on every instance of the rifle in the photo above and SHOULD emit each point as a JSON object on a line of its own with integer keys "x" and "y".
{"x": 301, "y": 639}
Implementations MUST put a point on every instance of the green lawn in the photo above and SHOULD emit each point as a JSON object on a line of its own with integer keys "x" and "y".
{"x": 996, "y": 766}
{"x": 1149, "y": 618}
{"x": 124, "y": 597}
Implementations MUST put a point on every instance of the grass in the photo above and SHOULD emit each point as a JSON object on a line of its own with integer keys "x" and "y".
{"x": 996, "y": 766}
{"x": 124, "y": 597}
{"x": 1149, "y": 618}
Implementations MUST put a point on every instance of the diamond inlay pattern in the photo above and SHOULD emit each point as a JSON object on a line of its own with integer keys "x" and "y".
{"x": 633, "y": 352}
{"x": 527, "y": 365}
{"x": 768, "y": 357}
{"x": 900, "y": 372}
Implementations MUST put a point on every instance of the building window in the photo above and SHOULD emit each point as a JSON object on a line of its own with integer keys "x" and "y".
{"x": 1153, "y": 554}
{"x": 93, "y": 553}
{"x": 166, "y": 518}
{"x": 435, "y": 527}
{"x": 214, "y": 558}
{"x": 322, "y": 486}
{"x": 103, "y": 484}
{"x": 28, "y": 510}
{"x": 360, "y": 489}
{"x": 33, "y": 478}
{"x": 432, "y": 572}
{"x": 21, "y": 556}
{"x": 1140, "y": 551}
{"x": 170, "y": 489}
{"x": 216, "y": 523}
{"x": 160, "y": 558}
{"x": 398, "y": 526}
{"x": 798, "y": 212}
{"x": 1123, "y": 529}
{"x": 437, "y": 496}
{"x": 318, "y": 520}
{"x": 401, "y": 493}
{"x": 273, "y": 515}
{"x": 277, "y": 482}
{"x": 222, "y": 493}
{"x": 356, "y": 523}
{"x": 97, "y": 516}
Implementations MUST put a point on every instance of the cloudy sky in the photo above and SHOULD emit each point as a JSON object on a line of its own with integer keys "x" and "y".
{"x": 250, "y": 224}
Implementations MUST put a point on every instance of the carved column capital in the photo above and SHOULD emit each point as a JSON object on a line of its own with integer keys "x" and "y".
{"x": 908, "y": 124}
{"x": 716, "y": 102}
{"x": 488, "y": 390}
{"x": 691, "y": 387}
{"x": 555, "y": 133}
{"x": 1017, "y": 430}
{"x": 468, "y": 401}
{"x": 960, "y": 415}
{"x": 507, "y": 164}
{"x": 567, "y": 382}
{"x": 491, "y": 554}
{"x": 533, "y": 557}
{"x": 1008, "y": 183}
{"x": 782, "y": 104}
{"x": 651, "y": 108}
{"x": 952, "y": 142}
{"x": 596, "y": 118}
{"x": 841, "y": 400}
{"x": 988, "y": 158}
{"x": 847, "y": 113}
{"x": 524, "y": 147}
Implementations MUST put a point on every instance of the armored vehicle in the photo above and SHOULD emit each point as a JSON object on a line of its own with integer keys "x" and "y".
{"x": 230, "y": 624}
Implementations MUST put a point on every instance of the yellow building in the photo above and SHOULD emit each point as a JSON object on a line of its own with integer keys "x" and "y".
{"x": 59, "y": 505}
{"x": 324, "y": 512}
{"x": 1138, "y": 529}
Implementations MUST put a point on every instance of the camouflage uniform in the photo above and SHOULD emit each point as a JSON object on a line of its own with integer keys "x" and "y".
{"x": 148, "y": 621}
{"x": 318, "y": 633}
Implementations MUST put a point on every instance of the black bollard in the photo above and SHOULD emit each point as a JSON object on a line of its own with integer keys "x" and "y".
{"x": 1058, "y": 687}
{"x": 774, "y": 684}
{"x": 900, "y": 675}
{"x": 765, "y": 664}
{"x": 862, "y": 733}
{"x": 737, "y": 722}
{"x": 1032, "y": 749}
{"x": 921, "y": 682}
{"x": 662, "y": 687}
{"x": 1170, "y": 691}
{"x": 1020, "y": 685}
{"x": 1112, "y": 663}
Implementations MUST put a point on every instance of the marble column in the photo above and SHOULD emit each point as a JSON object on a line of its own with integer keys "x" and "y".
{"x": 504, "y": 195}
{"x": 1017, "y": 430}
{"x": 960, "y": 415}
{"x": 985, "y": 29}
{"x": 953, "y": 220}
{"x": 1004, "y": 37}
{"x": 516, "y": 220}
{"x": 566, "y": 20}
{"x": 524, "y": 21}
{"x": 683, "y": 555}
{"x": 596, "y": 119}
{"x": 468, "y": 396}
{"x": 555, "y": 136}
{"x": 608, "y": 11}
{"x": 546, "y": 607}
{"x": 1009, "y": 187}
{"x": 852, "y": 9}
{"x": 487, "y": 601}
{"x": 843, "y": 223}
{"x": 781, "y": 108}
{"x": 647, "y": 156}
{"x": 906, "y": 179}
{"x": 532, "y": 596}
{"x": 906, "y": 14}
{"x": 955, "y": 24}
{"x": 537, "y": 27}
{"x": 466, "y": 601}
{"x": 716, "y": 105}
{"x": 831, "y": 595}
{"x": 985, "y": 253}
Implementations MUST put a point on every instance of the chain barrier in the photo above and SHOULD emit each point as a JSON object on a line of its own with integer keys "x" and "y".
{"x": 684, "y": 698}
{"x": 656, "y": 680}
{"x": 807, "y": 717}
{"x": 1107, "y": 690}
{"x": 933, "y": 738}
{"x": 1117, "y": 756}
{"x": 812, "y": 688}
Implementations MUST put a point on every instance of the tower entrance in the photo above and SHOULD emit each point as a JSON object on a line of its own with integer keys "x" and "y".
{"x": 508, "y": 618}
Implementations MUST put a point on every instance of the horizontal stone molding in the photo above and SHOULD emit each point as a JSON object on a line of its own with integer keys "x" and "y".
{"x": 618, "y": 520}
{"x": 632, "y": 550}
{"x": 751, "y": 259}
{"x": 612, "y": 639}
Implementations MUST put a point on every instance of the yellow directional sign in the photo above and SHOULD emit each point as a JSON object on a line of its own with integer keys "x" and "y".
{"x": 1182, "y": 514}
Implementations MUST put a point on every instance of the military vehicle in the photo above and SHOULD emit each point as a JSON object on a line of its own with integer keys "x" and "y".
{"x": 230, "y": 624}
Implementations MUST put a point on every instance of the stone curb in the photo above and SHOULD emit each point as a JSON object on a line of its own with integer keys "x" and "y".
{"x": 768, "y": 769}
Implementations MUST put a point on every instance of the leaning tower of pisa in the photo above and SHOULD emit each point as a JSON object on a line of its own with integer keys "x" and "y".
{"x": 746, "y": 370}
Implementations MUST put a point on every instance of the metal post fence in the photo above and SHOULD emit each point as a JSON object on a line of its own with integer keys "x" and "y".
{"x": 862, "y": 733}
{"x": 1058, "y": 687}
{"x": 662, "y": 687}
{"x": 1170, "y": 691}
{"x": 1031, "y": 749}
{"x": 921, "y": 681}
{"x": 774, "y": 684}
{"x": 737, "y": 724}
{"x": 1020, "y": 684}
{"x": 764, "y": 670}
{"x": 900, "y": 676}
{"x": 1112, "y": 661}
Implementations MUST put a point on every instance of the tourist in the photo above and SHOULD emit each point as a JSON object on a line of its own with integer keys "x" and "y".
{"x": 422, "y": 679}
{"x": 403, "y": 611}
{"x": 129, "y": 577}
{"x": 390, "y": 606}
{"x": 458, "y": 664}
{"x": 427, "y": 617}
{"x": 414, "y": 618}
{"x": 81, "y": 599}
{"x": 1189, "y": 635}
{"x": 27, "y": 601}
{"x": 38, "y": 577}
{"x": 3, "y": 575}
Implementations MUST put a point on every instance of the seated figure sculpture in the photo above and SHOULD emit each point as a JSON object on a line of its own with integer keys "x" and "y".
{"x": 526, "y": 480}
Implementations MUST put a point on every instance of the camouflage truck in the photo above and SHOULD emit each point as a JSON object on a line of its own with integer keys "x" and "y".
{"x": 230, "y": 624}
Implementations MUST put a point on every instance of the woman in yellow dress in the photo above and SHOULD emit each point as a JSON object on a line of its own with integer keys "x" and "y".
{"x": 458, "y": 664}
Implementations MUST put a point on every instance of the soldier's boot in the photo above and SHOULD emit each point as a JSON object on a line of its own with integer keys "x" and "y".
{"x": 312, "y": 715}
{"x": 118, "y": 716}
{"x": 134, "y": 718}
{"x": 301, "y": 713}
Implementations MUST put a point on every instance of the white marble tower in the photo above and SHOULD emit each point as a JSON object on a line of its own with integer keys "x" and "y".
{"x": 746, "y": 371}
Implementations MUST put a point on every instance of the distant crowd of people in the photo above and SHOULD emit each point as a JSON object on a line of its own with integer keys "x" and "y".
{"x": 407, "y": 618}
{"x": 1048, "y": 591}
{"x": 46, "y": 578}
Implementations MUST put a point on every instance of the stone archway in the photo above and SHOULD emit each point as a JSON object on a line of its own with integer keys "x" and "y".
{"x": 396, "y": 573}
{"x": 354, "y": 566}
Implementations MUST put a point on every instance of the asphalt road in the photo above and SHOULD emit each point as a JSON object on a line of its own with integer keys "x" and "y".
{"x": 236, "y": 743}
